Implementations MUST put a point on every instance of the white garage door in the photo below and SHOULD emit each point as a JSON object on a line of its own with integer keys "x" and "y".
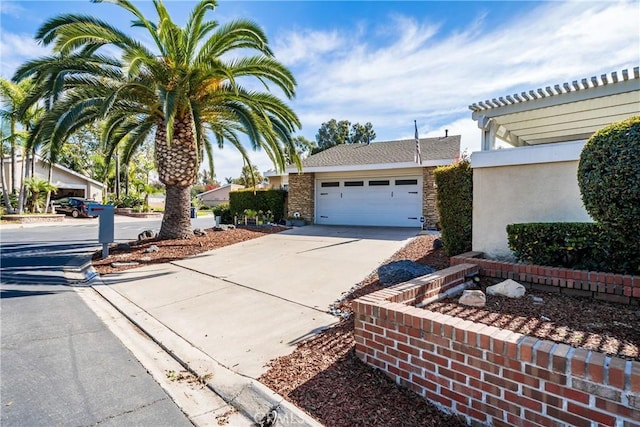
{"x": 385, "y": 201}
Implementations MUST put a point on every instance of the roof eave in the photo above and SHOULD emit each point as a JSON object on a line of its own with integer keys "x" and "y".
{"x": 376, "y": 166}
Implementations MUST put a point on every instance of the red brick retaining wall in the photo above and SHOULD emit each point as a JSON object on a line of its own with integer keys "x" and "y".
{"x": 606, "y": 286}
{"x": 492, "y": 376}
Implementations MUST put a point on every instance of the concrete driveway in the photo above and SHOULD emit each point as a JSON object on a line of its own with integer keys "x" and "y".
{"x": 248, "y": 303}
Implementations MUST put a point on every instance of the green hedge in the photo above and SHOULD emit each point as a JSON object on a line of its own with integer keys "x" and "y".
{"x": 258, "y": 200}
{"x": 585, "y": 246}
{"x": 609, "y": 175}
{"x": 224, "y": 212}
{"x": 455, "y": 204}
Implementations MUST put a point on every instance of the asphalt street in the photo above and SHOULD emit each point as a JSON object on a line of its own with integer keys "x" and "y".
{"x": 60, "y": 364}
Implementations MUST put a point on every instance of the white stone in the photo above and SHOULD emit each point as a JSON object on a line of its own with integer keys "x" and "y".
{"x": 473, "y": 298}
{"x": 509, "y": 288}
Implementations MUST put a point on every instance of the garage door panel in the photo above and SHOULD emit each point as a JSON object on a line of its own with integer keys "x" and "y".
{"x": 383, "y": 204}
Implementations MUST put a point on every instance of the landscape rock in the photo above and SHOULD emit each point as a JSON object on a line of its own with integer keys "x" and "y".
{"x": 437, "y": 244}
{"x": 123, "y": 247}
{"x": 401, "y": 271}
{"x": 218, "y": 228}
{"x": 509, "y": 288}
{"x": 151, "y": 249}
{"x": 537, "y": 300}
{"x": 124, "y": 264}
{"x": 473, "y": 298}
{"x": 199, "y": 232}
{"x": 147, "y": 234}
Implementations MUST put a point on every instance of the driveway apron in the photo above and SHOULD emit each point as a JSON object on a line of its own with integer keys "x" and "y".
{"x": 251, "y": 302}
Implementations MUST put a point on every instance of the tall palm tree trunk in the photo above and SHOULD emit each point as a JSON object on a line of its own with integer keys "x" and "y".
{"x": 50, "y": 182}
{"x": 22, "y": 195}
{"x": 177, "y": 167}
{"x": 14, "y": 163}
{"x": 5, "y": 194}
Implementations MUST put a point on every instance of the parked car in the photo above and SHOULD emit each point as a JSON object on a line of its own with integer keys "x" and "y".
{"x": 74, "y": 206}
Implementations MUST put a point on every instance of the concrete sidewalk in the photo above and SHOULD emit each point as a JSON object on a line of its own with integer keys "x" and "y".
{"x": 231, "y": 310}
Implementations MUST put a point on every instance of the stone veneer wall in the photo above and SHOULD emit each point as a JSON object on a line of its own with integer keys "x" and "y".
{"x": 491, "y": 376}
{"x": 302, "y": 195}
{"x": 429, "y": 199}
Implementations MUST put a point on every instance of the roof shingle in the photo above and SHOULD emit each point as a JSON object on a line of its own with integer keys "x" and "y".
{"x": 386, "y": 152}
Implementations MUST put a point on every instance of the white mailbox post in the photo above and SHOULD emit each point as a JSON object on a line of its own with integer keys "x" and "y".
{"x": 106, "y": 227}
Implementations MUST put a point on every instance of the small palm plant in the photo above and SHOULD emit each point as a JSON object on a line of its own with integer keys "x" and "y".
{"x": 37, "y": 189}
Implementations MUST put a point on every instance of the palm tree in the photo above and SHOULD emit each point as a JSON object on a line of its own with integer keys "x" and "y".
{"x": 180, "y": 90}
{"x": 36, "y": 187}
{"x": 14, "y": 97}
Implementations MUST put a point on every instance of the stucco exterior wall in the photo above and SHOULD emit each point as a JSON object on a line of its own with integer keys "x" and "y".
{"x": 61, "y": 178}
{"x": 279, "y": 182}
{"x": 218, "y": 196}
{"x": 302, "y": 195}
{"x": 506, "y": 193}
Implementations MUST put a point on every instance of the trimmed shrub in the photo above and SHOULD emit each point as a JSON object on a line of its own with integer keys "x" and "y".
{"x": 224, "y": 212}
{"x": 455, "y": 204}
{"x": 609, "y": 176}
{"x": 585, "y": 246}
{"x": 258, "y": 200}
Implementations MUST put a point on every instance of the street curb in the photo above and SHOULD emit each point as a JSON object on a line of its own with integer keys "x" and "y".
{"x": 80, "y": 274}
{"x": 252, "y": 398}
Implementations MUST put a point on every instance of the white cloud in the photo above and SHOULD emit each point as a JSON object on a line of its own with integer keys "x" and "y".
{"x": 423, "y": 73}
{"x": 15, "y": 49}
{"x": 305, "y": 46}
{"x": 11, "y": 8}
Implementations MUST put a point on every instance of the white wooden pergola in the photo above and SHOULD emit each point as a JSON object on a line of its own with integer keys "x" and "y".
{"x": 567, "y": 112}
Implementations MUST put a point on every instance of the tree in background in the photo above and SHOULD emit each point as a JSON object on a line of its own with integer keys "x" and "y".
{"x": 303, "y": 147}
{"x": 20, "y": 120}
{"x": 249, "y": 177}
{"x": 334, "y": 133}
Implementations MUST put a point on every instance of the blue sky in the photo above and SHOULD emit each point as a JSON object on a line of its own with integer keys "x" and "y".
{"x": 392, "y": 62}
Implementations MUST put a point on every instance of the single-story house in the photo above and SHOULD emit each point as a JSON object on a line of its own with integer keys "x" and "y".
{"x": 277, "y": 181}
{"x": 536, "y": 179}
{"x": 218, "y": 195}
{"x": 68, "y": 182}
{"x": 377, "y": 184}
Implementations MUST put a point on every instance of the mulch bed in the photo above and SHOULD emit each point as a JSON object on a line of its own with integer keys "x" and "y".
{"x": 577, "y": 321}
{"x": 173, "y": 250}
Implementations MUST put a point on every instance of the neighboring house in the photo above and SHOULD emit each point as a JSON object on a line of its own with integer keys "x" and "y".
{"x": 277, "y": 181}
{"x": 536, "y": 180}
{"x": 69, "y": 183}
{"x": 218, "y": 195}
{"x": 377, "y": 184}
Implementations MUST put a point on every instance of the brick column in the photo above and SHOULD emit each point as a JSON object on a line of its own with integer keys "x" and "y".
{"x": 429, "y": 198}
{"x": 302, "y": 195}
